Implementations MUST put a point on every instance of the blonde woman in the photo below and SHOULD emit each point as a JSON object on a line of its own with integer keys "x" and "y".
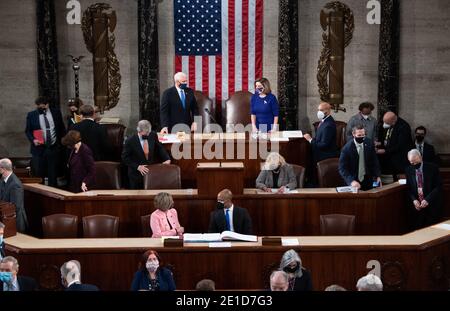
{"x": 276, "y": 173}
{"x": 164, "y": 220}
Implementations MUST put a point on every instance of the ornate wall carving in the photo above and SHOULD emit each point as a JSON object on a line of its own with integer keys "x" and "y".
{"x": 288, "y": 64}
{"x": 148, "y": 61}
{"x": 47, "y": 51}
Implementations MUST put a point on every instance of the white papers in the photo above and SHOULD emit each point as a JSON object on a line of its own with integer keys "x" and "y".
{"x": 293, "y": 134}
{"x": 218, "y": 237}
{"x": 169, "y": 139}
{"x": 289, "y": 242}
{"x": 442, "y": 227}
{"x": 347, "y": 190}
{"x": 275, "y": 139}
{"x": 286, "y": 191}
{"x": 402, "y": 181}
{"x": 219, "y": 244}
{"x": 230, "y": 235}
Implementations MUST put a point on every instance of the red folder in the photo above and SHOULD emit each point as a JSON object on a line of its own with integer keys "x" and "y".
{"x": 39, "y": 135}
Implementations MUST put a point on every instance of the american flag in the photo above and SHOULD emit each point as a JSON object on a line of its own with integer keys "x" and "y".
{"x": 219, "y": 45}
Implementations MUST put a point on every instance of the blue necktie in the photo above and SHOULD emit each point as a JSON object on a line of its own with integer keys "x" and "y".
{"x": 227, "y": 219}
{"x": 183, "y": 99}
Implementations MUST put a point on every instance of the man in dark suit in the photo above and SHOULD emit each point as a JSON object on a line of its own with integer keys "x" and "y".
{"x": 395, "y": 142}
{"x": 2, "y": 242}
{"x": 11, "y": 191}
{"x": 140, "y": 150}
{"x": 324, "y": 144}
{"x": 93, "y": 134}
{"x": 359, "y": 171}
{"x": 228, "y": 217}
{"x": 10, "y": 281}
{"x": 45, "y": 150}
{"x": 178, "y": 107}
{"x": 71, "y": 278}
{"x": 425, "y": 191}
{"x": 427, "y": 150}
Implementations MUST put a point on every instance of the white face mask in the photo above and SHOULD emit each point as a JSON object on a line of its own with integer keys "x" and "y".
{"x": 386, "y": 126}
{"x": 1, "y": 239}
{"x": 366, "y": 116}
{"x": 320, "y": 115}
{"x": 152, "y": 266}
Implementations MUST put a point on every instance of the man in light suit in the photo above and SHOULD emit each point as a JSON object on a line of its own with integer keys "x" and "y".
{"x": 11, "y": 190}
{"x": 178, "y": 106}
{"x": 10, "y": 280}
{"x": 359, "y": 172}
{"x": 228, "y": 217}
{"x": 425, "y": 191}
{"x": 324, "y": 144}
{"x": 71, "y": 278}
{"x": 45, "y": 154}
{"x": 140, "y": 150}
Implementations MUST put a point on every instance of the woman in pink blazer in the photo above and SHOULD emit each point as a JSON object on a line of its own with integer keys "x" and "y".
{"x": 164, "y": 220}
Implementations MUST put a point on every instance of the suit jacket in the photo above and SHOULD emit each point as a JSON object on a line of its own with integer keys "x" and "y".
{"x": 159, "y": 225}
{"x": 172, "y": 111}
{"x": 2, "y": 250}
{"x": 141, "y": 280}
{"x": 324, "y": 144}
{"x": 33, "y": 124}
{"x": 349, "y": 160}
{"x": 94, "y": 135}
{"x": 82, "y": 168}
{"x": 12, "y": 192}
{"x": 133, "y": 154}
{"x": 428, "y": 153}
{"x": 432, "y": 188}
{"x": 241, "y": 221}
{"x": 286, "y": 178}
{"x": 395, "y": 160}
{"x": 26, "y": 284}
{"x": 82, "y": 288}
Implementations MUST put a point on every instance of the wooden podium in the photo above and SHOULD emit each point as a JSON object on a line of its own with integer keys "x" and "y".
{"x": 212, "y": 177}
{"x": 8, "y": 218}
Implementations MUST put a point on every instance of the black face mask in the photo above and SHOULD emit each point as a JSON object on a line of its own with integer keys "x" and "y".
{"x": 417, "y": 166}
{"x": 359, "y": 140}
{"x": 290, "y": 269}
{"x": 42, "y": 110}
{"x": 420, "y": 138}
{"x": 144, "y": 136}
{"x": 220, "y": 205}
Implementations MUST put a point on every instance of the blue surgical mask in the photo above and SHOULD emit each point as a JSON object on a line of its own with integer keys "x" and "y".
{"x": 183, "y": 86}
{"x": 6, "y": 277}
{"x": 1, "y": 240}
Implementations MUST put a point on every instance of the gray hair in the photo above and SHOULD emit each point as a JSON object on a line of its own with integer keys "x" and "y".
{"x": 289, "y": 257}
{"x": 276, "y": 273}
{"x": 414, "y": 152}
{"x": 13, "y": 260}
{"x": 357, "y": 127}
{"x": 178, "y": 76}
{"x": 71, "y": 271}
{"x": 144, "y": 126}
{"x": 274, "y": 158}
{"x": 335, "y": 288}
{"x": 369, "y": 283}
{"x": 2, "y": 225}
{"x": 163, "y": 201}
{"x": 6, "y": 164}
{"x": 206, "y": 285}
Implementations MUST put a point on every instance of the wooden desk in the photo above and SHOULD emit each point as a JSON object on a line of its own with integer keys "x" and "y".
{"x": 379, "y": 211}
{"x": 295, "y": 151}
{"x": 415, "y": 261}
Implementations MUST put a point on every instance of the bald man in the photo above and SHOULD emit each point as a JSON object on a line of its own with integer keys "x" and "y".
{"x": 396, "y": 141}
{"x": 425, "y": 191}
{"x": 279, "y": 281}
{"x": 228, "y": 217}
{"x": 178, "y": 106}
{"x": 11, "y": 190}
{"x": 324, "y": 144}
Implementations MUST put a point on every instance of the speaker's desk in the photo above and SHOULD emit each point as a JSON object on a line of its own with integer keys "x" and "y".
{"x": 419, "y": 260}
{"x": 379, "y": 211}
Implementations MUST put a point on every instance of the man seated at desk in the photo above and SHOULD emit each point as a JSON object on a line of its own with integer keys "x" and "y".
{"x": 276, "y": 173}
{"x": 140, "y": 150}
{"x": 228, "y": 217}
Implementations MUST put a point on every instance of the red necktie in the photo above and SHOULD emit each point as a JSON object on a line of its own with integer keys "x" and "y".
{"x": 420, "y": 185}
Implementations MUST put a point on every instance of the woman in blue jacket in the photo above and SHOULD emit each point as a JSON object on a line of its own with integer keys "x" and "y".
{"x": 151, "y": 276}
{"x": 264, "y": 108}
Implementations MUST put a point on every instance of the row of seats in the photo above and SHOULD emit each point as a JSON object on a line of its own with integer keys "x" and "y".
{"x": 65, "y": 226}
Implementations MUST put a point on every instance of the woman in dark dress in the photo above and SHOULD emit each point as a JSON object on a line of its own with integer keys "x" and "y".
{"x": 299, "y": 277}
{"x": 264, "y": 108}
{"x": 81, "y": 163}
{"x": 151, "y": 276}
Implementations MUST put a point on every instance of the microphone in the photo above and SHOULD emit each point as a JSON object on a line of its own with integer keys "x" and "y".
{"x": 210, "y": 115}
